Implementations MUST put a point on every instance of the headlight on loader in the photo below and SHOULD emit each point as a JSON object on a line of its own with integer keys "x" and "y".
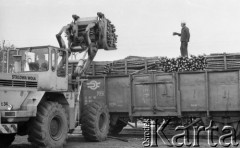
{"x": 9, "y": 107}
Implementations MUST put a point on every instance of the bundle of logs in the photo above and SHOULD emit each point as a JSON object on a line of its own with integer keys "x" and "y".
{"x": 111, "y": 35}
{"x": 98, "y": 68}
{"x": 223, "y": 61}
{"x": 133, "y": 65}
{"x": 180, "y": 64}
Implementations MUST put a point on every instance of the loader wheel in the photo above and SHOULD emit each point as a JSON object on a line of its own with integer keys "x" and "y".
{"x": 117, "y": 128}
{"x": 49, "y": 128}
{"x": 6, "y": 140}
{"x": 95, "y": 121}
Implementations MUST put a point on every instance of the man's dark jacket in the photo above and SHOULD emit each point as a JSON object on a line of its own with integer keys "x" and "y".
{"x": 185, "y": 35}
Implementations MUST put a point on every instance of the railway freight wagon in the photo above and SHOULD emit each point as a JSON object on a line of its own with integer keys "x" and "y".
{"x": 207, "y": 95}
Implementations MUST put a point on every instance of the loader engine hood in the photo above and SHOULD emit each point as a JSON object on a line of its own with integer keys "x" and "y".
{"x": 15, "y": 80}
{"x": 20, "y": 91}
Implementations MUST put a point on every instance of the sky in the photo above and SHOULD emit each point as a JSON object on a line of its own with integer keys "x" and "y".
{"x": 144, "y": 27}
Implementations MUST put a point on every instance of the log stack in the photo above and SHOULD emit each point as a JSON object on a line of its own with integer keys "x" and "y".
{"x": 222, "y": 61}
{"x": 180, "y": 64}
{"x": 98, "y": 68}
{"x": 134, "y": 64}
{"x": 111, "y": 35}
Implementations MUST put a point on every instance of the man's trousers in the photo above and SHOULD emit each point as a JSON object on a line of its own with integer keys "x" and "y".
{"x": 183, "y": 49}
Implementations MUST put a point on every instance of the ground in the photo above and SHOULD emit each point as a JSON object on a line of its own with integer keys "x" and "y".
{"x": 128, "y": 138}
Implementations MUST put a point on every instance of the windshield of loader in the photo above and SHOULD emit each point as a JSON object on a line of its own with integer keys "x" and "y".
{"x": 34, "y": 59}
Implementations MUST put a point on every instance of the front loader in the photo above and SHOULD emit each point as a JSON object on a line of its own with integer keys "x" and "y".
{"x": 41, "y": 97}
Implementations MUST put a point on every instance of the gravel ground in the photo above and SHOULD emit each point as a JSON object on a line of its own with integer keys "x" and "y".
{"x": 134, "y": 140}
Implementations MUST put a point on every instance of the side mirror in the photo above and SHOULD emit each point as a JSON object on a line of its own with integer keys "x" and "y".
{"x": 17, "y": 63}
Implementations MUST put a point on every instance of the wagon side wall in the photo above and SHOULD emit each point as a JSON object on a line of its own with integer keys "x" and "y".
{"x": 209, "y": 91}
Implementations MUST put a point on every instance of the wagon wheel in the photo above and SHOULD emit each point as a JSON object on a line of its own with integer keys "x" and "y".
{"x": 117, "y": 127}
{"x": 236, "y": 126}
{"x": 220, "y": 127}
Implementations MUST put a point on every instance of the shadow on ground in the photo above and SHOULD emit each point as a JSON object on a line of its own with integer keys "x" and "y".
{"x": 22, "y": 146}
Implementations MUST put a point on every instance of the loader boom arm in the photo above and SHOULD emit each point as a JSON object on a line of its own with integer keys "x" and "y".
{"x": 88, "y": 35}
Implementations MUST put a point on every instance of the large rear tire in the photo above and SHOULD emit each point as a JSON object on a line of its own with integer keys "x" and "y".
{"x": 6, "y": 140}
{"x": 95, "y": 121}
{"x": 117, "y": 128}
{"x": 49, "y": 128}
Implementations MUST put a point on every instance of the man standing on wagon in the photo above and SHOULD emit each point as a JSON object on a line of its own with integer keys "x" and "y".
{"x": 185, "y": 37}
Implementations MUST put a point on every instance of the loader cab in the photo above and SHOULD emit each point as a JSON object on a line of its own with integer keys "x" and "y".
{"x": 47, "y": 62}
{"x": 7, "y": 62}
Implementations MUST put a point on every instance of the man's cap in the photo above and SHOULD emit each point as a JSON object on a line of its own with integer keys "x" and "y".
{"x": 183, "y": 22}
{"x": 75, "y": 16}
